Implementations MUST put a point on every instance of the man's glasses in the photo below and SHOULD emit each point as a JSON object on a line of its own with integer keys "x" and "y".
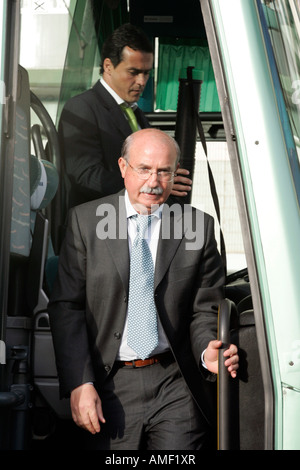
{"x": 145, "y": 173}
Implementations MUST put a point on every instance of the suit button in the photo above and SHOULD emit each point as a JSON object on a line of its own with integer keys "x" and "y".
{"x": 125, "y": 298}
{"x": 107, "y": 368}
{"x": 117, "y": 335}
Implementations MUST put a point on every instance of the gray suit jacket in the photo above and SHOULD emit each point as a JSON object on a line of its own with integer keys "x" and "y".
{"x": 89, "y": 302}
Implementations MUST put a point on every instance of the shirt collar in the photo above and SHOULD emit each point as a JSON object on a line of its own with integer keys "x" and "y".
{"x": 130, "y": 210}
{"x": 115, "y": 95}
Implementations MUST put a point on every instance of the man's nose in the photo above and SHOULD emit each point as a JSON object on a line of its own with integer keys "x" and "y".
{"x": 153, "y": 179}
{"x": 141, "y": 79}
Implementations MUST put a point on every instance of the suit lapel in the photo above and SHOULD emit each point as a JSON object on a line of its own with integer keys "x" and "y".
{"x": 121, "y": 122}
{"x": 118, "y": 245}
{"x": 141, "y": 118}
{"x": 118, "y": 118}
{"x": 171, "y": 235}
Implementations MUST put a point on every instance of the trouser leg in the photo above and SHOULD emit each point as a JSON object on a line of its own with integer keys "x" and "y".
{"x": 149, "y": 408}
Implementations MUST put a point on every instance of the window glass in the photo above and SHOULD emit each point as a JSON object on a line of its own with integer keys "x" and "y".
{"x": 283, "y": 19}
{"x": 45, "y": 28}
{"x": 202, "y": 199}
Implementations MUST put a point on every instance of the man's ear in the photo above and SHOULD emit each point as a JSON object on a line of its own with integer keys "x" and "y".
{"x": 123, "y": 166}
{"x": 107, "y": 65}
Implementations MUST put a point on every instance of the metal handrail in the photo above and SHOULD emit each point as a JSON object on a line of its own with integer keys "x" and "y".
{"x": 227, "y": 319}
{"x": 11, "y": 399}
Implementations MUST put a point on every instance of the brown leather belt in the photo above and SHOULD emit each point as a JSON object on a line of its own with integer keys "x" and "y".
{"x": 147, "y": 362}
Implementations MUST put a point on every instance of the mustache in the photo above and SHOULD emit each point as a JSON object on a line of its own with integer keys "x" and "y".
{"x": 146, "y": 189}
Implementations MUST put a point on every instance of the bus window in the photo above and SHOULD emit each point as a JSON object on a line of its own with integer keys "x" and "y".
{"x": 283, "y": 25}
{"x": 45, "y": 28}
{"x": 201, "y": 198}
{"x": 283, "y": 20}
{"x": 59, "y": 48}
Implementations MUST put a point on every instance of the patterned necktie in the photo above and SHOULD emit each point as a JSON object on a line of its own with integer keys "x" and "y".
{"x": 130, "y": 116}
{"x": 142, "y": 320}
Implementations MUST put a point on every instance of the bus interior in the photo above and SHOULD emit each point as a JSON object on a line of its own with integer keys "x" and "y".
{"x": 53, "y": 54}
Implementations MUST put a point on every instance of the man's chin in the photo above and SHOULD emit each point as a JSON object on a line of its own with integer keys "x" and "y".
{"x": 134, "y": 96}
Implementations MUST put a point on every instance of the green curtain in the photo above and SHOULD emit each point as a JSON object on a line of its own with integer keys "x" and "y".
{"x": 92, "y": 22}
{"x": 175, "y": 55}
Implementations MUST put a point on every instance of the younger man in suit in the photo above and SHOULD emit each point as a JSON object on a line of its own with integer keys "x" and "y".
{"x": 93, "y": 126}
{"x": 161, "y": 400}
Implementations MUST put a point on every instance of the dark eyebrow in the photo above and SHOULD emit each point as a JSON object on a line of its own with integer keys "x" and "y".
{"x": 138, "y": 71}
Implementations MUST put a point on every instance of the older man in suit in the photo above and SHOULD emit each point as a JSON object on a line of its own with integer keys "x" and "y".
{"x": 93, "y": 125}
{"x": 160, "y": 399}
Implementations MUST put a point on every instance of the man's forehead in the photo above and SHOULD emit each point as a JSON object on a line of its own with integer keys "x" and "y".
{"x": 133, "y": 55}
{"x": 150, "y": 156}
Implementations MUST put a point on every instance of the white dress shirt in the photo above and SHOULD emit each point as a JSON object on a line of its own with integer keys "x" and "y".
{"x": 125, "y": 351}
{"x": 116, "y": 96}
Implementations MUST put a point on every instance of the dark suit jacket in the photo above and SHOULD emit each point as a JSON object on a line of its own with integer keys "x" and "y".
{"x": 89, "y": 302}
{"x": 92, "y": 129}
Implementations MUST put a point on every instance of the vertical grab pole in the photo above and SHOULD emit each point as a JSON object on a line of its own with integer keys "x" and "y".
{"x": 186, "y": 119}
{"x": 226, "y": 425}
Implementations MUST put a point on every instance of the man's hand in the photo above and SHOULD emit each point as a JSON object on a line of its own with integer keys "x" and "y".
{"x": 211, "y": 358}
{"x": 86, "y": 408}
{"x": 181, "y": 184}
